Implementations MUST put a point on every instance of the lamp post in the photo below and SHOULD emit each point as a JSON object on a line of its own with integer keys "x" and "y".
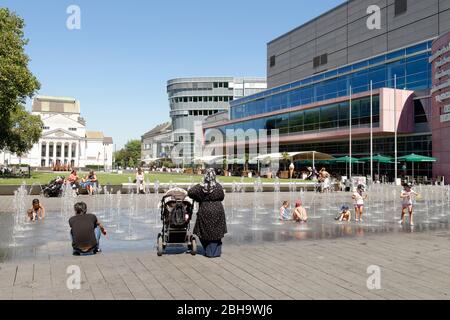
{"x": 395, "y": 131}
{"x": 350, "y": 136}
{"x": 371, "y": 130}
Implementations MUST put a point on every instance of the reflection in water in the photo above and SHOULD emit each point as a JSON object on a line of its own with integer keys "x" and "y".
{"x": 253, "y": 218}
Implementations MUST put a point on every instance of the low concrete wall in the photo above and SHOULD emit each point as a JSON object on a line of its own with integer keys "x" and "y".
{"x": 126, "y": 188}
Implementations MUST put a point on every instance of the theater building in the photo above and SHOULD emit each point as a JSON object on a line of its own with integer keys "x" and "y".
{"x": 65, "y": 140}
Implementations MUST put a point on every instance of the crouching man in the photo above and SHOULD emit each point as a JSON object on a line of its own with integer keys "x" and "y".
{"x": 85, "y": 231}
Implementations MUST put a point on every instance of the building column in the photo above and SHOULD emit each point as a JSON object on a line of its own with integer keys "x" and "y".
{"x": 69, "y": 154}
{"x": 77, "y": 152}
{"x": 47, "y": 150}
{"x": 55, "y": 144}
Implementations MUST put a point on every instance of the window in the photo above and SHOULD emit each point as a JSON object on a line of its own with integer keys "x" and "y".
{"x": 46, "y": 128}
{"x": 324, "y": 59}
{"x": 320, "y": 60}
{"x": 419, "y": 112}
{"x": 401, "y": 6}
{"x": 216, "y": 85}
{"x": 272, "y": 61}
{"x": 72, "y": 129}
{"x": 316, "y": 62}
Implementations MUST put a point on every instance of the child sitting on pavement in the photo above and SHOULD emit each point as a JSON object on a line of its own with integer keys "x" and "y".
{"x": 345, "y": 214}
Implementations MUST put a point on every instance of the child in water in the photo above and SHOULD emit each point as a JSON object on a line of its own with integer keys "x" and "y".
{"x": 345, "y": 214}
{"x": 358, "y": 198}
{"x": 37, "y": 211}
{"x": 300, "y": 214}
{"x": 284, "y": 212}
{"x": 408, "y": 196}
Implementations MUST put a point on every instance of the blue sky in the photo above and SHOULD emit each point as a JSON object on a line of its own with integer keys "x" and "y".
{"x": 118, "y": 64}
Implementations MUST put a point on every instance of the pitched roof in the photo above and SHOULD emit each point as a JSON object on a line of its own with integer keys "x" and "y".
{"x": 161, "y": 128}
{"x": 94, "y": 135}
{"x": 108, "y": 140}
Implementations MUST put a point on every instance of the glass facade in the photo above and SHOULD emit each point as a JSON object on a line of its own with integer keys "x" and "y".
{"x": 410, "y": 65}
{"x": 325, "y": 118}
{"x": 419, "y": 144}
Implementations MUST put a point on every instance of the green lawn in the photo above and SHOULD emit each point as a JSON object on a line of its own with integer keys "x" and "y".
{"x": 117, "y": 179}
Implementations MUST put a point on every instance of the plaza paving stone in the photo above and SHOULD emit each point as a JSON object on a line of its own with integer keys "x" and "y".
{"x": 331, "y": 263}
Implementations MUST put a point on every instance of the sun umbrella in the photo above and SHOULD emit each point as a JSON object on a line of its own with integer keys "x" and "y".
{"x": 312, "y": 155}
{"x": 347, "y": 159}
{"x": 416, "y": 158}
{"x": 379, "y": 159}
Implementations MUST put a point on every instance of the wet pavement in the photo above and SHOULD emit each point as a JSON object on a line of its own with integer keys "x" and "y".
{"x": 133, "y": 221}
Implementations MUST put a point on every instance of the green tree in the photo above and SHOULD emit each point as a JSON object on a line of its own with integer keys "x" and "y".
{"x": 286, "y": 157}
{"x": 131, "y": 163}
{"x": 18, "y": 129}
{"x": 130, "y": 154}
{"x": 25, "y": 131}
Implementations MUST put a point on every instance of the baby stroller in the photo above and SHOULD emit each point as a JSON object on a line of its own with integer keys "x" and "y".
{"x": 176, "y": 214}
{"x": 54, "y": 188}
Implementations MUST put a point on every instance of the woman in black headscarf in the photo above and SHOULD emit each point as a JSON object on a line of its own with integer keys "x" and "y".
{"x": 210, "y": 226}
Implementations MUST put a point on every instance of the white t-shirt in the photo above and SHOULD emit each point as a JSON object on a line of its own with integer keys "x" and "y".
{"x": 359, "y": 199}
{"x": 139, "y": 177}
{"x": 408, "y": 197}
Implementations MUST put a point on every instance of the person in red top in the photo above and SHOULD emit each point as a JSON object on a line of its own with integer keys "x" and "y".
{"x": 73, "y": 180}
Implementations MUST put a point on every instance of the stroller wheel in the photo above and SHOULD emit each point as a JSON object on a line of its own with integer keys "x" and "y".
{"x": 193, "y": 246}
{"x": 160, "y": 248}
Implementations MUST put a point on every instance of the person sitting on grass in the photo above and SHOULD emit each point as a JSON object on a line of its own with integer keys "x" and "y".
{"x": 300, "y": 214}
{"x": 37, "y": 211}
{"x": 345, "y": 214}
{"x": 85, "y": 231}
{"x": 285, "y": 214}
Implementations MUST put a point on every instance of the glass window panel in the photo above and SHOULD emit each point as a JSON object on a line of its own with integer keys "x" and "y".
{"x": 395, "y": 54}
{"x": 417, "y": 48}
{"x": 312, "y": 118}
{"x": 329, "y": 116}
{"x": 377, "y": 60}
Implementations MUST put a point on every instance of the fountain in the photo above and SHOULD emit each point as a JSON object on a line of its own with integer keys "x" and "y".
{"x": 131, "y": 213}
{"x": 158, "y": 223}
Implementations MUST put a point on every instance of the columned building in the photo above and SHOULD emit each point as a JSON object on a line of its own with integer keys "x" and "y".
{"x": 65, "y": 140}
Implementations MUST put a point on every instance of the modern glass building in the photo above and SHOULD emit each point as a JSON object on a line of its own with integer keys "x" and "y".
{"x": 314, "y": 71}
{"x": 194, "y": 99}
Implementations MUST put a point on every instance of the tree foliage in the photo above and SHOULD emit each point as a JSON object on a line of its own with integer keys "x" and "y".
{"x": 18, "y": 129}
{"x": 129, "y": 155}
{"x": 25, "y": 131}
